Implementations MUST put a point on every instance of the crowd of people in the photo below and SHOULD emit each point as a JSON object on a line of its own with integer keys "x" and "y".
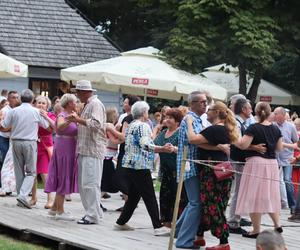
{"x": 78, "y": 145}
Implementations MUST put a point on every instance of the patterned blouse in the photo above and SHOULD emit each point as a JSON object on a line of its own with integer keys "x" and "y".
{"x": 139, "y": 147}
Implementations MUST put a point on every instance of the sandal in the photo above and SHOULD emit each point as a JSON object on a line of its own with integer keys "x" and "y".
{"x": 84, "y": 221}
{"x": 250, "y": 235}
{"x": 32, "y": 202}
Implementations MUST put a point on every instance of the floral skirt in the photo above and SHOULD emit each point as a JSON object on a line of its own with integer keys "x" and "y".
{"x": 214, "y": 197}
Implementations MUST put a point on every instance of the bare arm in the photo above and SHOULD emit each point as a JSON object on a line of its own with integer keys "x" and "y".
{"x": 279, "y": 145}
{"x": 62, "y": 123}
{"x": 192, "y": 136}
{"x": 244, "y": 142}
{"x": 291, "y": 145}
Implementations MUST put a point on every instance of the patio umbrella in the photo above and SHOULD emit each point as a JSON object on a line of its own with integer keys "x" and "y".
{"x": 10, "y": 67}
{"x": 228, "y": 77}
{"x": 142, "y": 72}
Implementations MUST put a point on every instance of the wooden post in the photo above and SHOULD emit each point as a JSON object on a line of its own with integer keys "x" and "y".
{"x": 178, "y": 195}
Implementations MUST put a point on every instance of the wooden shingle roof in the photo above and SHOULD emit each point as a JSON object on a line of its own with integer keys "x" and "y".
{"x": 49, "y": 33}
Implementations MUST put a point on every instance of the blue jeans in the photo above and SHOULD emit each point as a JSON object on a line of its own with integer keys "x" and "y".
{"x": 4, "y": 145}
{"x": 188, "y": 223}
{"x": 287, "y": 176}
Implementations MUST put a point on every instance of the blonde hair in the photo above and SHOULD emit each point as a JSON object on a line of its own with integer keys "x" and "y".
{"x": 230, "y": 123}
{"x": 66, "y": 98}
{"x": 184, "y": 109}
{"x": 112, "y": 115}
{"x": 45, "y": 98}
{"x": 297, "y": 121}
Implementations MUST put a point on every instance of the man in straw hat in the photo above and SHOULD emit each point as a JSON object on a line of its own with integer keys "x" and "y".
{"x": 91, "y": 144}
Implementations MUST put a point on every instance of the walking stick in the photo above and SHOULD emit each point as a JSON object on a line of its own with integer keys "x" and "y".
{"x": 178, "y": 194}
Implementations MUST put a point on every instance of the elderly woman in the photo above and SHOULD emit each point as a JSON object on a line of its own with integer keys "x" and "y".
{"x": 137, "y": 163}
{"x": 168, "y": 186}
{"x": 45, "y": 147}
{"x": 62, "y": 177}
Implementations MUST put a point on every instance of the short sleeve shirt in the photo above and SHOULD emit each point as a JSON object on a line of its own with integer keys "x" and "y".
{"x": 268, "y": 134}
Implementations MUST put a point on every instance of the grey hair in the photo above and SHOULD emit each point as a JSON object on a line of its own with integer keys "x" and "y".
{"x": 41, "y": 97}
{"x": 139, "y": 108}
{"x": 193, "y": 96}
{"x": 282, "y": 110}
{"x": 270, "y": 240}
{"x": 66, "y": 98}
{"x": 27, "y": 96}
{"x": 234, "y": 98}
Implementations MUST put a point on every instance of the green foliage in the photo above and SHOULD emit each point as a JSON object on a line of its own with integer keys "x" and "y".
{"x": 8, "y": 243}
{"x": 255, "y": 35}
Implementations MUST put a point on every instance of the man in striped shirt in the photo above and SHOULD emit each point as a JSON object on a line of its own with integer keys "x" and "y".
{"x": 91, "y": 145}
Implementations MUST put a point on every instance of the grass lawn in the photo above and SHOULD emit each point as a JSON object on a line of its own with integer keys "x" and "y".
{"x": 8, "y": 243}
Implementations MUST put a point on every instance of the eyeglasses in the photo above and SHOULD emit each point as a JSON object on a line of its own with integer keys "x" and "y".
{"x": 210, "y": 110}
{"x": 201, "y": 102}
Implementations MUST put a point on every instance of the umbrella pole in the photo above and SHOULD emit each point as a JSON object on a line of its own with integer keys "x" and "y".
{"x": 178, "y": 195}
{"x": 145, "y": 95}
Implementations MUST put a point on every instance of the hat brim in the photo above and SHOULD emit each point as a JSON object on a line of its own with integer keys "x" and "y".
{"x": 75, "y": 90}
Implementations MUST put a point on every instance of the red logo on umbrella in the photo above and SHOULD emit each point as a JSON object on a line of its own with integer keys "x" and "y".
{"x": 140, "y": 81}
{"x": 17, "y": 68}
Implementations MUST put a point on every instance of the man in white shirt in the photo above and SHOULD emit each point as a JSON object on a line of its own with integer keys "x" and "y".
{"x": 13, "y": 101}
{"x": 24, "y": 122}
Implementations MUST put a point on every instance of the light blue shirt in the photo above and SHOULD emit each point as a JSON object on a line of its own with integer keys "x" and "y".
{"x": 24, "y": 122}
{"x": 289, "y": 135}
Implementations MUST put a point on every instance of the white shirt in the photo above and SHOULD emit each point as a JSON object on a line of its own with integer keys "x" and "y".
{"x": 24, "y": 122}
{"x": 4, "y": 111}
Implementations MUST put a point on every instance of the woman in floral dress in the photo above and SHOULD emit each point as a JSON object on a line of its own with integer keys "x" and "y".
{"x": 214, "y": 194}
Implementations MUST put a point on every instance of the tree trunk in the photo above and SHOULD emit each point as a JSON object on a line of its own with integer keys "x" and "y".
{"x": 242, "y": 80}
{"x": 252, "y": 94}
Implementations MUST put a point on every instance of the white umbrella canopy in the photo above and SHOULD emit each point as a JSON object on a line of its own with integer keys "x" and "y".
{"x": 142, "y": 72}
{"x": 10, "y": 67}
{"x": 266, "y": 91}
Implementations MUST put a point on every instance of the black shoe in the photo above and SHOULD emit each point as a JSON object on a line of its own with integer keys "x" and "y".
{"x": 103, "y": 208}
{"x": 279, "y": 229}
{"x": 292, "y": 211}
{"x": 237, "y": 230}
{"x": 250, "y": 235}
{"x": 245, "y": 223}
{"x": 84, "y": 221}
{"x": 120, "y": 209}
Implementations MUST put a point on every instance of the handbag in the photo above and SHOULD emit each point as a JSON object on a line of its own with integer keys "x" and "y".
{"x": 223, "y": 171}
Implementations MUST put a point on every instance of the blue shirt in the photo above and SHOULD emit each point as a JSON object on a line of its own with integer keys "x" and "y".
{"x": 192, "y": 149}
{"x": 289, "y": 135}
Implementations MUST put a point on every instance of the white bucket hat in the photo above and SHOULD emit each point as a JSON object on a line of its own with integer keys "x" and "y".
{"x": 84, "y": 85}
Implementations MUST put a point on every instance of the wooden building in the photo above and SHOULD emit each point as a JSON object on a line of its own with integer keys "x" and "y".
{"x": 49, "y": 35}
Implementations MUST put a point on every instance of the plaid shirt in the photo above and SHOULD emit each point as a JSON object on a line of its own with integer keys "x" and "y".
{"x": 139, "y": 147}
{"x": 192, "y": 149}
{"x": 92, "y": 137}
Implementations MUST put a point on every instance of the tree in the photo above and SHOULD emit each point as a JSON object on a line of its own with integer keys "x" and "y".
{"x": 237, "y": 32}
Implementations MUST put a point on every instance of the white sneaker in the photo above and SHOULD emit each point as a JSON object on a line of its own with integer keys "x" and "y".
{"x": 64, "y": 216}
{"x": 51, "y": 213}
{"x": 162, "y": 231}
{"x": 124, "y": 227}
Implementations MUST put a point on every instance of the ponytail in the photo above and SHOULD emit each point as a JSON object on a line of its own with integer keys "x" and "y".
{"x": 231, "y": 127}
{"x": 229, "y": 120}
